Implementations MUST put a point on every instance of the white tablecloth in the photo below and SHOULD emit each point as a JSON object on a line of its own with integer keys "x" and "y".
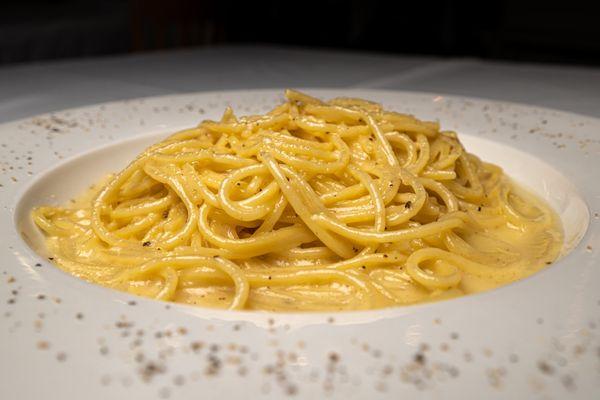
{"x": 31, "y": 89}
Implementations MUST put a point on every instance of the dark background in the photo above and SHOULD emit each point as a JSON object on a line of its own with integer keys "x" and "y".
{"x": 534, "y": 30}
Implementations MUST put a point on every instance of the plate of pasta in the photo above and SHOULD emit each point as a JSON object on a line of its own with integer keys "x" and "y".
{"x": 302, "y": 243}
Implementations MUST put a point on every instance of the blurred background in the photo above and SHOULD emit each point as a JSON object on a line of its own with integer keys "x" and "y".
{"x": 534, "y": 30}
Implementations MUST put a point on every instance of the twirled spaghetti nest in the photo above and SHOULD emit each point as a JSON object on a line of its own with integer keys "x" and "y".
{"x": 315, "y": 205}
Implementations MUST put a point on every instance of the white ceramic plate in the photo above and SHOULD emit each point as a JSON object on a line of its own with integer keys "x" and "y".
{"x": 63, "y": 338}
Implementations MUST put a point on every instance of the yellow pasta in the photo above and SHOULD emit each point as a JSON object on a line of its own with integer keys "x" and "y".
{"x": 316, "y": 205}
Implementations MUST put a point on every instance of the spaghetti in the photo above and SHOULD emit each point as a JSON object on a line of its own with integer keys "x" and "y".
{"x": 313, "y": 206}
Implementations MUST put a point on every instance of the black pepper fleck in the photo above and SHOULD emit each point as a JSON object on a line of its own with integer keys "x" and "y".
{"x": 419, "y": 358}
{"x": 545, "y": 368}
